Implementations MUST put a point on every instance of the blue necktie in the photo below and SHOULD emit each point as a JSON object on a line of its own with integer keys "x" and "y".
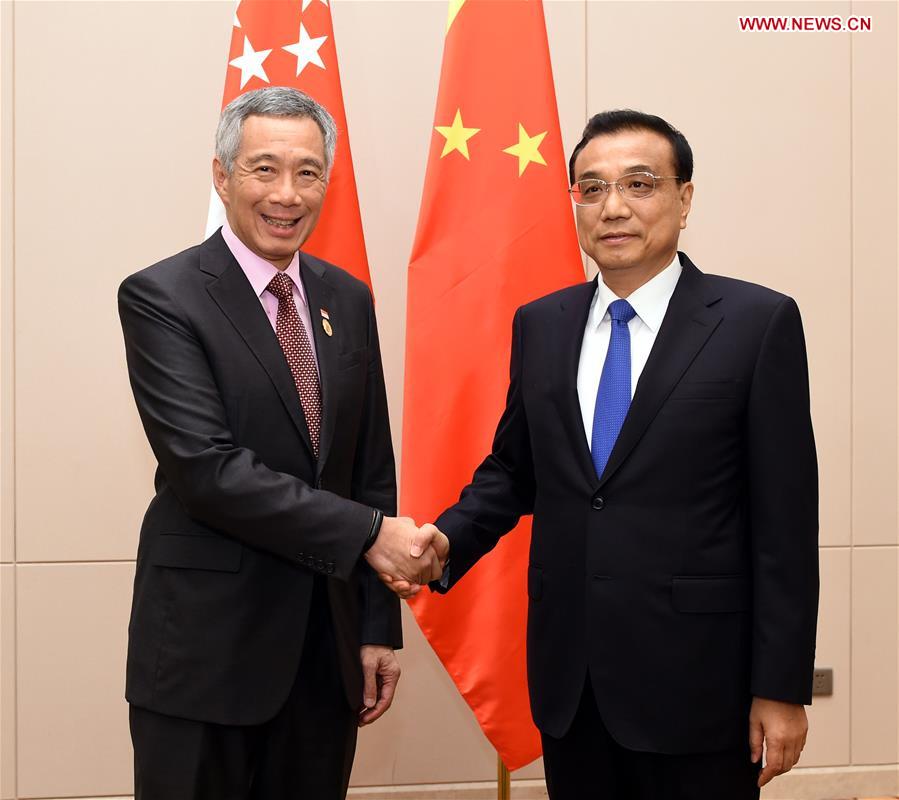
{"x": 614, "y": 394}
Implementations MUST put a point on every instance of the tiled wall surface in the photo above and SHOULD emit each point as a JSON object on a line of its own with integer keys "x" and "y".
{"x": 107, "y": 116}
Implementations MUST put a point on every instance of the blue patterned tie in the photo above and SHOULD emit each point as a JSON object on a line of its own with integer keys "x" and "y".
{"x": 614, "y": 394}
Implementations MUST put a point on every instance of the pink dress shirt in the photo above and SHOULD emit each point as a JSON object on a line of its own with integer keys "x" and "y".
{"x": 259, "y": 273}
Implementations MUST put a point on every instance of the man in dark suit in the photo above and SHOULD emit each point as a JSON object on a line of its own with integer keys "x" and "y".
{"x": 657, "y": 426}
{"x": 260, "y": 636}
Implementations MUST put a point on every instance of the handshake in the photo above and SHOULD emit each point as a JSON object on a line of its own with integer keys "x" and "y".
{"x": 406, "y": 557}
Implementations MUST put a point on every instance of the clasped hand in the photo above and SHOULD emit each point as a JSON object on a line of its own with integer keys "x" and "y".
{"x": 406, "y": 557}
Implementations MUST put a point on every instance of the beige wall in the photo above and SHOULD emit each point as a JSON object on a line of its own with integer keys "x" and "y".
{"x": 106, "y": 117}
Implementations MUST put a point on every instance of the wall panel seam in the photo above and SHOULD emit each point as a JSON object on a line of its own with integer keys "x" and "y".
{"x": 851, "y": 375}
{"x": 586, "y": 70}
{"x": 78, "y": 562}
{"x": 586, "y": 258}
{"x": 9, "y": 371}
{"x": 858, "y": 547}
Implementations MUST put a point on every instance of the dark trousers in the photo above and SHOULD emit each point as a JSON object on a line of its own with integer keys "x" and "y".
{"x": 304, "y": 753}
{"x": 588, "y": 764}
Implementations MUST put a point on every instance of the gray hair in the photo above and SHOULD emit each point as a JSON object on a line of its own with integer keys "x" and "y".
{"x": 271, "y": 101}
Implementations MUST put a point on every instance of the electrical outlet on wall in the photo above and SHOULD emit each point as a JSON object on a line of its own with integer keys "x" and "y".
{"x": 822, "y": 685}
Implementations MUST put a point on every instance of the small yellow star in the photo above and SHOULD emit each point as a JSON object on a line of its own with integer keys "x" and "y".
{"x": 527, "y": 149}
{"x": 456, "y": 136}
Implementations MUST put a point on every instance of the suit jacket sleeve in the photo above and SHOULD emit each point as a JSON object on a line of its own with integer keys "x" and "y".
{"x": 503, "y": 487}
{"x": 374, "y": 484}
{"x": 783, "y": 509}
{"x": 220, "y": 484}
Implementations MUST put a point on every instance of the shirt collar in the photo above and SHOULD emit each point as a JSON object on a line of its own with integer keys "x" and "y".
{"x": 650, "y": 301}
{"x": 260, "y": 272}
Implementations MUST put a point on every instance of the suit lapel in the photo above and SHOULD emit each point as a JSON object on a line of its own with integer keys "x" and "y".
{"x": 575, "y": 309}
{"x": 320, "y": 296}
{"x": 233, "y": 294}
{"x": 690, "y": 320}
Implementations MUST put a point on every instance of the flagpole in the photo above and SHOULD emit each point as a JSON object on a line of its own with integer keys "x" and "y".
{"x": 503, "y": 784}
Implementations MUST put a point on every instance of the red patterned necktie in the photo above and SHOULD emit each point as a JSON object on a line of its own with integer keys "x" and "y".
{"x": 298, "y": 352}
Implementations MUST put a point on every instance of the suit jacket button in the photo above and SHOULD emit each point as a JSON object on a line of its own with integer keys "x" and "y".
{"x": 598, "y": 503}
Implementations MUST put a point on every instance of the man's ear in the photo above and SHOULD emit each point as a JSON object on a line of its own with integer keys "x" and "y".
{"x": 686, "y": 199}
{"x": 220, "y": 180}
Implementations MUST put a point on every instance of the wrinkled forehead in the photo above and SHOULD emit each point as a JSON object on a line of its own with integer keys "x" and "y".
{"x": 285, "y": 136}
{"x": 611, "y": 155}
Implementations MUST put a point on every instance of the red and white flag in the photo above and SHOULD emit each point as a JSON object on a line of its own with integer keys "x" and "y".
{"x": 291, "y": 43}
{"x": 495, "y": 230}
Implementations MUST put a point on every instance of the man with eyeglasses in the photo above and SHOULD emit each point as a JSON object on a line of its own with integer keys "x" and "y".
{"x": 657, "y": 427}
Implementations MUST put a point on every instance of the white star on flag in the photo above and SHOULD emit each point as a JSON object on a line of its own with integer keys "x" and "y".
{"x": 306, "y": 50}
{"x": 250, "y": 63}
{"x": 236, "y": 20}
{"x": 307, "y": 3}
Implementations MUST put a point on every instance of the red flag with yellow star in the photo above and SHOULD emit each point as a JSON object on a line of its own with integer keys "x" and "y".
{"x": 291, "y": 43}
{"x": 495, "y": 230}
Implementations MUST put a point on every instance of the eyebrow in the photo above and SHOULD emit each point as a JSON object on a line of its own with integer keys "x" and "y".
{"x": 309, "y": 160}
{"x": 590, "y": 173}
{"x": 260, "y": 157}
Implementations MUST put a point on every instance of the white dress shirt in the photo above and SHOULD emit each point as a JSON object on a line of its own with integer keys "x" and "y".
{"x": 650, "y": 302}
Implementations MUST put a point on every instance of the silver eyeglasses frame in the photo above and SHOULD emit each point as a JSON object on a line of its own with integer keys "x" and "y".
{"x": 575, "y": 189}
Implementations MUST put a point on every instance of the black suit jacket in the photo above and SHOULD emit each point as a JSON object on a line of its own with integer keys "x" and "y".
{"x": 244, "y": 516}
{"x": 685, "y": 578}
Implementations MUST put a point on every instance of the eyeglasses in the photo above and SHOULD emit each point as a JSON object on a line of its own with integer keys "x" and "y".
{"x": 633, "y": 186}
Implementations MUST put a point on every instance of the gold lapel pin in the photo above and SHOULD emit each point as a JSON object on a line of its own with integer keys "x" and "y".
{"x": 326, "y": 325}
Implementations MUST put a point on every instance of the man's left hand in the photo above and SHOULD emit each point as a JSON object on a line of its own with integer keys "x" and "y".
{"x": 381, "y": 672}
{"x": 782, "y": 728}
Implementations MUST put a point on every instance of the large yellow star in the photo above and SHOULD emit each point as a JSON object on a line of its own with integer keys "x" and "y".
{"x": 456, "y": 135}
{"x": 527, "y": 149}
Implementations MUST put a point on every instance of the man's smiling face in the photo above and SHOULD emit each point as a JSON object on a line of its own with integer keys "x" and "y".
{"x": 276, "y": 187}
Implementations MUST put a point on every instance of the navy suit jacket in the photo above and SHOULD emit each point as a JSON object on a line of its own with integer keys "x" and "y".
{"x": 685, "y": 577}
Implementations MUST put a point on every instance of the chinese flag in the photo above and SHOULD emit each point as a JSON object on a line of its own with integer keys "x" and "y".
{"x": 291, "y": 43}
{"x": 495, "y": 230}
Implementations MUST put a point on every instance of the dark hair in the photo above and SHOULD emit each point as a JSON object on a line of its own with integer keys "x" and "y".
{"x": 627, "y": 119}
